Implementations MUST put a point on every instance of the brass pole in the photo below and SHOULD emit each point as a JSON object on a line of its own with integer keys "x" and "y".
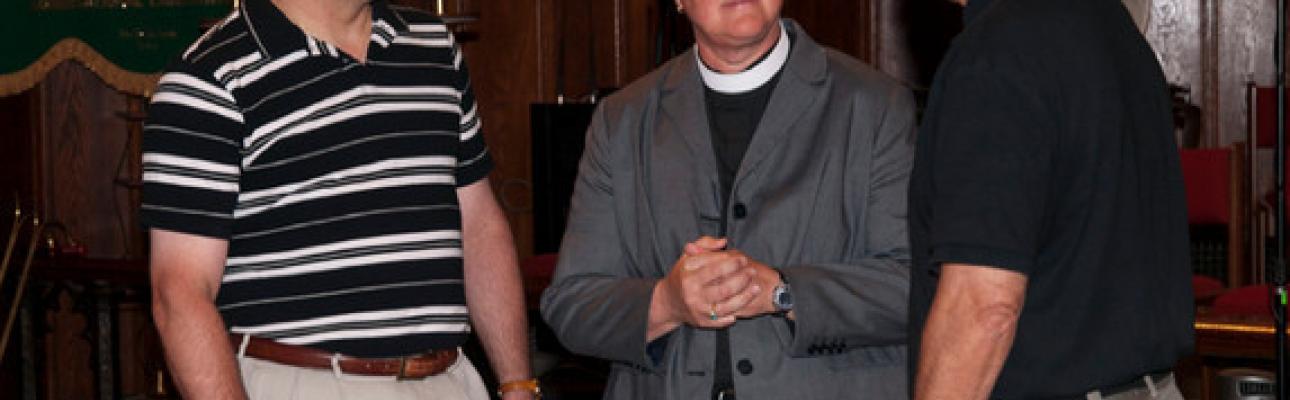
{"x": 18, "y": 219}
{"x": 37, "y": 229}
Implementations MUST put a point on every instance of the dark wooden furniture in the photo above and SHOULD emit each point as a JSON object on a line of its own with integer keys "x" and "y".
{"x": 71, "y": 157}
{"x": 1224, "y": 341}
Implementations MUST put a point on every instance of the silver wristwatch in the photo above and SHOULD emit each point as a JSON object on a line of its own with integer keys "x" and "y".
{"x": 782, "y": 298}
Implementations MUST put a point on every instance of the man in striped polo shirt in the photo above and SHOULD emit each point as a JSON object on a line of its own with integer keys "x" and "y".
{"x": 316, "y": 187}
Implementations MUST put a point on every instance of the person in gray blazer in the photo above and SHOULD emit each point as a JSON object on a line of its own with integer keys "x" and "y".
{"x": 738, "y": 222}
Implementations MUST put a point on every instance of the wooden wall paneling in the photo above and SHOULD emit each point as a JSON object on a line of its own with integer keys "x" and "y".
{"x": 841, "y": 24}
{"x": 873, "y": 32}
{"x": 612, "y": 38}
{"x": 911, "y": 36}
{"x": 516, "y": 60}
{"x": 579, "y": 38}
{"x": 86, "y": 151}
{"x": 507, "y": 74}
{"x": 68, "y": 371}
{"x": 1209, "y": 53}
{"x": 636, "y": 25}
{"x": 545, "y": 33}
{"x": 140, "y": 357}
{"x": 1238, "y": 254}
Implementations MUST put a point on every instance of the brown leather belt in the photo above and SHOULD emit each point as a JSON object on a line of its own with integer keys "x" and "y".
{"x": 417, "y": 366}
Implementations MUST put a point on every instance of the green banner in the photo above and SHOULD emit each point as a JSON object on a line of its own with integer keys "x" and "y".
{"x": 125, "y": 41}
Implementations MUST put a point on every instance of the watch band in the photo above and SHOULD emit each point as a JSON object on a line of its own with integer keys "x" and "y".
{"x": 529, "y": 385}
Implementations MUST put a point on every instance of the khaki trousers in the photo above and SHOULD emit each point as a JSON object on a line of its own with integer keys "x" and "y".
{"x": 1164, "y": 389}
{"x": 265, "y": 380}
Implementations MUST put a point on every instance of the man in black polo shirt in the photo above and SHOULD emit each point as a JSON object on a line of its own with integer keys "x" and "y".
{"x": 315, "y": 181}
{"x": 1047, "y": 216}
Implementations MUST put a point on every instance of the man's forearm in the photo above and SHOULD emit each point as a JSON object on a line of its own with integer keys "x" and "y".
{"x": 197, "y": 347}
{"x": 495, "y": 295}
{"x": 969, "y": 332}
{"x": 497, "y": 310}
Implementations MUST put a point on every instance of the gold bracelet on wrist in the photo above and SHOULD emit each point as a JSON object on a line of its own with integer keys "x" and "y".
{"x": 530, "y": 385}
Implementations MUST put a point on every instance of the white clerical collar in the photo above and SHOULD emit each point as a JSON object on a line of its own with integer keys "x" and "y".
{"x": 755, "y": 77}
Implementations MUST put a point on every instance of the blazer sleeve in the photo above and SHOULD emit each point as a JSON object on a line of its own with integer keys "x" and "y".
{"x": 595, "y": 305}
{"x": 838, "y": 307}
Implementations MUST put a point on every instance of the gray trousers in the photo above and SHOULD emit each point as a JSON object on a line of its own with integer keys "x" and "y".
{"x": 1164, "y": 389}
{"x": 265, "y": 380}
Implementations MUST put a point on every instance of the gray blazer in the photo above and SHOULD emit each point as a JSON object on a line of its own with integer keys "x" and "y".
{"x": 823, "y": 185}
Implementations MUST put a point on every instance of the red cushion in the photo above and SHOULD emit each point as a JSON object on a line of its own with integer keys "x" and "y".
{"x": 539, "y": 266}
{"x": 1205, "y": 286}
{"x": 1248, "y": 300}
{"x": 537, "y": 272}
{"x": 1206, "y": 174}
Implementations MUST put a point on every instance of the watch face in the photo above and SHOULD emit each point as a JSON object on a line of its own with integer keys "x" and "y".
{"x": 782, "y": 298}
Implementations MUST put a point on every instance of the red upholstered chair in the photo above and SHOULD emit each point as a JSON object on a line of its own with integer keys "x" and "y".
{"x": 537, "y": 272}
{"x": 1263, "y": 115}
{"x": 1216, "y": 211}
{"x": 1248, "y": 300}
{"x": 1206, "y": 288}
{"x": 1207, "y": 178}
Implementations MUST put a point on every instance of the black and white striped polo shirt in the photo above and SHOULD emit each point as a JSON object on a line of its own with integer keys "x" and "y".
{"x": 334, "y": 181}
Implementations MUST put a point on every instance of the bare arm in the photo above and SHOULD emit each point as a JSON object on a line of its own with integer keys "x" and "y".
{"x": 969, "y": 331}
{"x": 494, "y": 291}
{"x": 186, "y": 271}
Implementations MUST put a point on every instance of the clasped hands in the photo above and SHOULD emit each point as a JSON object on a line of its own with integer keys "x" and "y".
{"x": 712, "y": 287}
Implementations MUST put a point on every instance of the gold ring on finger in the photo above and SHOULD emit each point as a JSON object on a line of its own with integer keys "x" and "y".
{"x": 712, "y": 312}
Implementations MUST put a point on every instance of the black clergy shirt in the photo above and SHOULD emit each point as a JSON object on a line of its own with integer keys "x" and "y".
{"x": 732, "y": 120}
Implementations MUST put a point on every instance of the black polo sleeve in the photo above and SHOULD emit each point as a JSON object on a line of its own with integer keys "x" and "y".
{"x": 191, "y": 155}
{"x": 991, "y": 167}
{"x": 473, "y": 160}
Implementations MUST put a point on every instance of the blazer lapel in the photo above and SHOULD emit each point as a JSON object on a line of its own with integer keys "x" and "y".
{"x": 801, "y": 86}
{"x": 681, "y": 173}
{"x": 682, "y": 104}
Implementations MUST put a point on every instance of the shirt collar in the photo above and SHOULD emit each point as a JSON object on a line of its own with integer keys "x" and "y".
{"x": 752, "y": 78}
{"x": 278, "y": 36}
{"x": 973, "y": 9}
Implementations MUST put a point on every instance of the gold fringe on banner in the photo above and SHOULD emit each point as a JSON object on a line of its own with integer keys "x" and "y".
{"x": 74, "y": 49}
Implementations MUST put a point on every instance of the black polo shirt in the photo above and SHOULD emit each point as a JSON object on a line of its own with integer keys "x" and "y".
{"x": 334, "y": 181}
{"x": 1047, "y": 148}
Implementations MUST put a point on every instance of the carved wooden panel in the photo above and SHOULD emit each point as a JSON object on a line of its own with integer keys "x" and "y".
{"x": 68, "y": 372}
{"x": 87, "y": 163}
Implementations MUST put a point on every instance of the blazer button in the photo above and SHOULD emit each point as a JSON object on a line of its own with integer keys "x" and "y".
{"x": 741, "y": 211}
{"x": 744, "y": 366}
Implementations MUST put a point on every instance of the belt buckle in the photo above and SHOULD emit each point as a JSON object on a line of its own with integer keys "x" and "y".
{"x": 403, "y": 371}
{"x": 726, "y": 394}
